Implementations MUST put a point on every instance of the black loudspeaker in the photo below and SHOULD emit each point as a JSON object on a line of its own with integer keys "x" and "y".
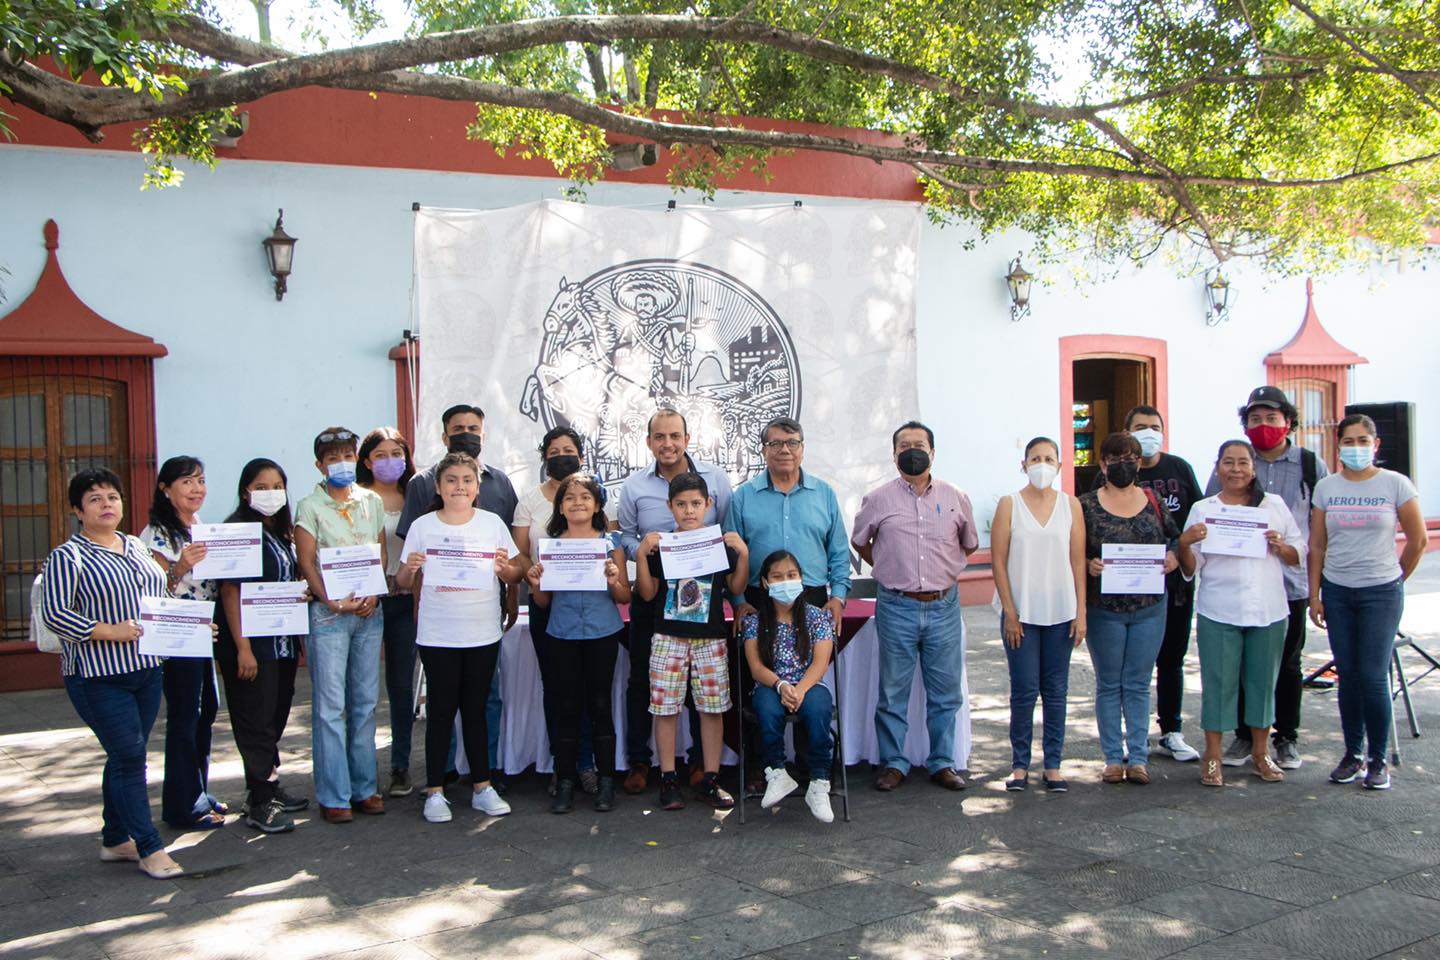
{"x": 1395, "y": 424}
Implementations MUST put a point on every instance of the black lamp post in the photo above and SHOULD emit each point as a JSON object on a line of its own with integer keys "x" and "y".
{"x": 1019, "y": 280}
{"x": 1217, "y": 298}
{"x": 280, "y": 251}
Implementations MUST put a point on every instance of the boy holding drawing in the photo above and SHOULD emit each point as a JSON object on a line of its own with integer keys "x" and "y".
{"x": 690, "y": 630}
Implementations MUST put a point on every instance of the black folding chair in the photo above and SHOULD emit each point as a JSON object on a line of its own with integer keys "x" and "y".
{"x": 843, "y": 789}
{"x": 1400, "y": 685}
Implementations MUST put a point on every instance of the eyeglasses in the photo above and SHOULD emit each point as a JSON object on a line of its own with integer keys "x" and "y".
{"x": 1129, "y": 459}
{"x": 778, "y": 445}
{"x": 341, "y": 435}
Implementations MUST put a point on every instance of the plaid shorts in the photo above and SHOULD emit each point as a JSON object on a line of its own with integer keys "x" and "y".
{"x": 703, "y": 658}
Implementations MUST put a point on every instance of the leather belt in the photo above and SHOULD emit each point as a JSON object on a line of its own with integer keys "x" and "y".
{"x": 924, "y": 596}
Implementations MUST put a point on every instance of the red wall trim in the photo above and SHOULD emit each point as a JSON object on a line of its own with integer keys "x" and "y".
{"x": 352, "y": 128}
{"x": 1106, "y": 345}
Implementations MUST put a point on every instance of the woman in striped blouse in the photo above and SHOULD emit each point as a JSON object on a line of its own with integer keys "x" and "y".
{"x": 92, "y": 588}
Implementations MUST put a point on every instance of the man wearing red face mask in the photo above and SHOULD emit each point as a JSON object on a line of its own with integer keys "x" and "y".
{"x": 1290, "y": 472}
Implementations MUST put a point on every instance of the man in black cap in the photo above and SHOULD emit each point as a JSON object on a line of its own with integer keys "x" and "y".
{"x": 1290, "y": 472}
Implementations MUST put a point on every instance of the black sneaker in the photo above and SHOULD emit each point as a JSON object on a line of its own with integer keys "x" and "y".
{"x": 711, "y": 791}
{"x": 288, "y": 801}
{"x": 604, "y": 794}
{"x": 1347, "y": 770}
{"x": 273, "y": 819}
{"x": 564, "y": 800}
{"x": 1287, "y": 754}
{"x": 670, "y": 798}
{"x": 400, "y": 785}
{"x": 1377, "y": 776}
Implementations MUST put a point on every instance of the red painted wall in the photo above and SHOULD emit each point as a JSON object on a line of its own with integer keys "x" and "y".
{"x": 350, "y": 128}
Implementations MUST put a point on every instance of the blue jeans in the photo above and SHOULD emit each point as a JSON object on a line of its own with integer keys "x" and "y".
{"x": 190, "y": 708}
{"x": 1123, "y": 648}
{"x": 344, "y": 656}
{"x": 813, "y": 718}
{"x": 1039, "y": 667}
{"x": 398, "y": 636}
{"x": 1362, "y": 623}
{"x": 121, "y": 709}
{"x": 932, "y": 634}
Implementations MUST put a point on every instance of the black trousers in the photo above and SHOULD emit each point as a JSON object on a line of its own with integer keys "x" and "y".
{"x": 259, "y": 711}
{"x": 1170, "y": 664}
{"x": 457, "y": 680}
{"x": 191, "y": 704}
{"x": 1289, "y": 683}
{"x": 582, "y": 673}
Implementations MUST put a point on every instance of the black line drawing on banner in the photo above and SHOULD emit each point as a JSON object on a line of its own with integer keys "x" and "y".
{"x": 663, "y": 333}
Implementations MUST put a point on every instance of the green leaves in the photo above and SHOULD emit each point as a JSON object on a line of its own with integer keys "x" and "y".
{"x": 1302, "y": 134}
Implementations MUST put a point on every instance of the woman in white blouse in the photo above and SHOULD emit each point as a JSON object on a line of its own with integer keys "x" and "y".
{"x": 1037, "y": 551}
{"x": 1241, "y": 605}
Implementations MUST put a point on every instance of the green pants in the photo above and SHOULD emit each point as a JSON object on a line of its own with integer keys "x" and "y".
{"x": 1231, "y": 656}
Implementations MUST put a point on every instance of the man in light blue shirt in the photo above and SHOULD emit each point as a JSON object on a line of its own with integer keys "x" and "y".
{"x": 784, "y": 508}
{"x": 645, "y": 507}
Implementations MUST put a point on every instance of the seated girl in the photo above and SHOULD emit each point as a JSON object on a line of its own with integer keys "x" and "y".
{"x": 788, "y": 644}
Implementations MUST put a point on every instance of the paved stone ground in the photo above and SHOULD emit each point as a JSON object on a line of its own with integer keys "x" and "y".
{"x": 1304, "y": 869}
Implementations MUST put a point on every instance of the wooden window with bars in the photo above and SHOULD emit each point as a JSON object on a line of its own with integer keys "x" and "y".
{"x": 50, "y": 428}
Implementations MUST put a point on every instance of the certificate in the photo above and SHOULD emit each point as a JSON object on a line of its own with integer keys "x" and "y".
{"x": 176, "y": 628}
{"x": 357, "y": 570}
{"x": 1236, "y": 531}
{"x": 231, "y": 550}
{"x": 274, "y": 610}
{"x": 573, "y": 564}
{"x": 459, "y": 562}
{"x": 1132, "y": 568}
{"x": 692, "y": 553}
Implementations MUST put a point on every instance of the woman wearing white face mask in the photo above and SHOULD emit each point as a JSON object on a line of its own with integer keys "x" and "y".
{"x": 1037, "y": 547}
{"x": 1357, "y": 588}
{"x": 259, "y": 672}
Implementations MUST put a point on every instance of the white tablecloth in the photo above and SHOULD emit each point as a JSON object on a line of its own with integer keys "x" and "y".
{"x": 523, "y": 740}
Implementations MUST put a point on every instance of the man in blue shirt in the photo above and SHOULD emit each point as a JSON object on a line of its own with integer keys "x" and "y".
{"x": 645, "y": 507}
{"x": 784, "y": 508}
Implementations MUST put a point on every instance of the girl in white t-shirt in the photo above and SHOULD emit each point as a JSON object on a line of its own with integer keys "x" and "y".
{"x": 458, "y": 628}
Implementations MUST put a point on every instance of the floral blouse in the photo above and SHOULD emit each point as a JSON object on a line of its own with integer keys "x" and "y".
{"x": 1151, "y": 525}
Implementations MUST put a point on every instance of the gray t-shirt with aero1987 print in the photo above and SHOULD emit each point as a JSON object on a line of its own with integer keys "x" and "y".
{"x": 1360, "y": 522}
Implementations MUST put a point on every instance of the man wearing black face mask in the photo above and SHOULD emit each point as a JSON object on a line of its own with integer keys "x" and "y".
{"x": 464, "y": 432}
{"x": 917, "y": 533}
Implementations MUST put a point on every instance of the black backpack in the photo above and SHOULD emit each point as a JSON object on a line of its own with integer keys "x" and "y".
{"x": 1308, "y": 473}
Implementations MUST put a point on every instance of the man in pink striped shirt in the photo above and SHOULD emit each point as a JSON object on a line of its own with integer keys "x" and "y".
{"x": 917, "y": 533}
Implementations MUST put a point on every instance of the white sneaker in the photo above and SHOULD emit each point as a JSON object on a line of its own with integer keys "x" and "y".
{"x": 1174, "y": 746}
{"x": 817, "y": 798}
{"x": 437, "y": 808}
{"x": 489, "y": 802}
{"x": 778, "y": 785}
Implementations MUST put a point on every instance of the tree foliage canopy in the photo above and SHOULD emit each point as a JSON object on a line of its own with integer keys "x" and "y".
{"x": 1303, "y": 132}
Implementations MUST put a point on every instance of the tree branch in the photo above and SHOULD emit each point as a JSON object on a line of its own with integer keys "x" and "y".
{"x": 1345, "y": 38}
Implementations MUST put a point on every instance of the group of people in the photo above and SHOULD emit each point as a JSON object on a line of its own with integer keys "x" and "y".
{"x": 1329, "y": 553}
{"x": 787, "y": 575}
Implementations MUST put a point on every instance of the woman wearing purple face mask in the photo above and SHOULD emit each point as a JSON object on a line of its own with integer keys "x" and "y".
{"x": 385, "y": 467}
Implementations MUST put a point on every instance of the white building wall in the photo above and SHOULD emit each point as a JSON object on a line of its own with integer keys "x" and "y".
{"x": 247, "y": 376}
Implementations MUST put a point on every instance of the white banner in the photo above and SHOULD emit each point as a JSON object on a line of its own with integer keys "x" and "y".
{"x": 557, "y": 313}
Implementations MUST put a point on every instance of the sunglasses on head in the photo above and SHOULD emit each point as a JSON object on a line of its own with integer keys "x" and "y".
{"x": 337, "y": 435}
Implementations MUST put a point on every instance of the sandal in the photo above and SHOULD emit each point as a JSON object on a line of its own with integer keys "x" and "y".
{"x": 1266, "y": 770}
{"x": 209, "y": 820}
{"x": 1212, "y": 775}
{"x": 1113, "y": 773}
